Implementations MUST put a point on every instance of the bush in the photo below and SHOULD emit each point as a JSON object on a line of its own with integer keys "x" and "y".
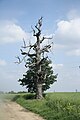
{"x": 29, "y": 96}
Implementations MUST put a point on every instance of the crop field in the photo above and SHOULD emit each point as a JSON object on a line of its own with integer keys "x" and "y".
{"x": 55, "y": 106}
{"x": 65, "y": 106}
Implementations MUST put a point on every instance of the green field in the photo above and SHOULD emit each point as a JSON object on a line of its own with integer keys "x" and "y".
{"x": 55, "y": 106}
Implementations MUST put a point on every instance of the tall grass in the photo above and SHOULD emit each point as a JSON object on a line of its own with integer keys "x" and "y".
{"x": 55, "y": 106}
{"x": 66, "y": 106}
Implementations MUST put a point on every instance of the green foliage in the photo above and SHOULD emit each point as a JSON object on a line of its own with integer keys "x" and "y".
{"x": 29, "y": 79}
{"x": 55, "y": 106}
{"x": 64, "y": 108}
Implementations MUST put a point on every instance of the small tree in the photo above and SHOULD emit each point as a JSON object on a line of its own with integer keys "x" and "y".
{"x": 39, "y": 74}
{"x": 29, "y": 78}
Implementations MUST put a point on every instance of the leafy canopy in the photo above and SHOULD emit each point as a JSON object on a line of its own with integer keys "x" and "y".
{"x": 29, "y": 78}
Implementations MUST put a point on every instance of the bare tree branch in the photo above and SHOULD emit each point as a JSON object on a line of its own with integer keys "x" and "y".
{"x": 34, "y": 32}
{"x": 45, "y": 49}
{"x": 24, "y": 44}
{"x": 22, "y": 52}
{"x": 37, "y": 26}
{"x": 19, "y": 60}
{"x": 43, "y": 38}
{"x": 29, "y": 65}
{"x": 31, "y": 55}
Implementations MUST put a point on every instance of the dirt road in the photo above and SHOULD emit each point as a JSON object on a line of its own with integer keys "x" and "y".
{"x": 13, "y": 111}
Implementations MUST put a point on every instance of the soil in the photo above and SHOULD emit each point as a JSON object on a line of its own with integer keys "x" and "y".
{"x": 13, "y": 111}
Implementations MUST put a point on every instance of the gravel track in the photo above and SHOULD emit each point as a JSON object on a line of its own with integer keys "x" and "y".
{"x": 13, "y": 111}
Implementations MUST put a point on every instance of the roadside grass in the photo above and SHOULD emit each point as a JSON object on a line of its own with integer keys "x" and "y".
{"x": 6, "y": 96}
{"x": 55, "y": 106}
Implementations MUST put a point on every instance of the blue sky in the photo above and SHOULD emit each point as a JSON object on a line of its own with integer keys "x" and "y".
{"x": 61, "y": 18}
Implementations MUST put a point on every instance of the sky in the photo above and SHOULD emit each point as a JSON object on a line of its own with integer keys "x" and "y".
{"x": 61, "y": 19}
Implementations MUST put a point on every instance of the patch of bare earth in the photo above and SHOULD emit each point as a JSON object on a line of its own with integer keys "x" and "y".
{"x": 13, "y": 111}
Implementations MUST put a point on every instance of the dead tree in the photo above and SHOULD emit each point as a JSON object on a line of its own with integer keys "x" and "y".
{"x": 38, "y": 53}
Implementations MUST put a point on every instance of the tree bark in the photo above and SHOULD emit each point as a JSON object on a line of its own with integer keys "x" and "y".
{"x": 39, "y": 94}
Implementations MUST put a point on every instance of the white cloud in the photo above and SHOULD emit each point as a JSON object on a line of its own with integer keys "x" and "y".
{"x": 67, "y": 34}
{"x": 2, "y": 62}
{"x": 73, "y": 14}
{"x": 68, "y": 31}
{"x": 11, "y": 32}
{"x": 56, "y": 66}
{"x": 58, "y": 46}
{"x": 75, "y": 52}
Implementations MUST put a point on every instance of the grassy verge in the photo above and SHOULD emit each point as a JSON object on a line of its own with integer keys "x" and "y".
{"x": 55, "y": 106}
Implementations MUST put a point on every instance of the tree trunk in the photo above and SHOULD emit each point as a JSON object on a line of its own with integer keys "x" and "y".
{"x": 39, "y": 94}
